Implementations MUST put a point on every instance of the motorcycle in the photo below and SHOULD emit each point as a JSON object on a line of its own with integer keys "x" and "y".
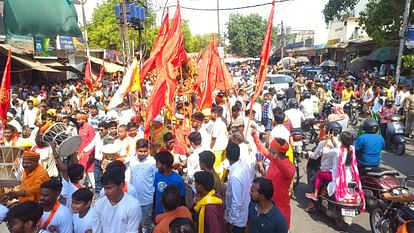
{"x": 394, "y": 136}
{"x": 385, "y": 216}
{"x": 351, "y": 108}
{"x": 297, "y": 136}
{"x": 342, "y": 212}
{"x": 311, "y": 130}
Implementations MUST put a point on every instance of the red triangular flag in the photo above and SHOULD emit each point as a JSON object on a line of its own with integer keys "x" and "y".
{"x": 5, "y": 91}
{"x": 99, "y": 81}
{"x": 88, "y": 75}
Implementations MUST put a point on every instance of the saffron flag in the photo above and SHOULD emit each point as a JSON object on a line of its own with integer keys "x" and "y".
{"x": 88, "y": 75}
{"x": 206, "y": 77}
{"x": 135, "y": 82}
{"x": 149, "y": 65}
{"x": 264, "y": 57}
{"x": 5, "y": 91}
{"x": 171, "y": 56}
{"x": 99, "y": 81}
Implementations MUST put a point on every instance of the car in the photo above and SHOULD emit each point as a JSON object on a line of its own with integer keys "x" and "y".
{"x": 280, "y": 82}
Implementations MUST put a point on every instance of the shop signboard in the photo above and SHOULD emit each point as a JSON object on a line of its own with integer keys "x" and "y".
{"x": 24, "y": 43}
{"x": 45, "y": 48}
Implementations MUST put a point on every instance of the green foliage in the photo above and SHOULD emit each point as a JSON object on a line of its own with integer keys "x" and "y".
{"x": 408, "y": 62}
{"x": 338, "y": 9}
{"x": 246, "y": 34}
{"x": 382, "y": 20}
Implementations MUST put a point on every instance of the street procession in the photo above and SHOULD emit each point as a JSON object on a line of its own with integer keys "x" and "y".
{"x": 196, "y": 116}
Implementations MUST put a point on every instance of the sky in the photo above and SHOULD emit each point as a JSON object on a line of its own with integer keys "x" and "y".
{"x": 298, "y": 14}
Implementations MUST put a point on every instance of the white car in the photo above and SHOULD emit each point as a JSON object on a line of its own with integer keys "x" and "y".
{"x": 280, "y": 82}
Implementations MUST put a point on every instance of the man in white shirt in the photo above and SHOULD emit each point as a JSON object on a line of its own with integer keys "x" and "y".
{"x": 30, "y": 115}
{"x": 219, "y": 138}
{"x": 307, "y": 106}
{"x": 193, "y": 164}
{"x": 143, "y": 169}
{"x": 56, "y": 217}
{"x": 237, "y": 194}
{"x": 117, "y": 211}
{"x": 197, "y": 120}
{"x": 295, "y": 116}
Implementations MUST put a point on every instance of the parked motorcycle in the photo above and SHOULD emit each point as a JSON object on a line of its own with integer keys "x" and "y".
{"x": 351, "y": 108}
{"x": 385, "y": 216}
{"x": 394, "y": 136}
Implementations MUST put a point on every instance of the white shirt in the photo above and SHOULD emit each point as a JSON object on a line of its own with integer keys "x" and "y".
{"x": 205, "y": 137}
{"x": 30, "y": 117}
{"x": 142, "y": 178}
{"x": 3, "y": 212}
{"x": 193, "y": 163}
{"x": 219, "y": 132}
{"x": 62, "y": 220}
{"x": 125, "y": 216}
{"x": 295, "y": 116}
{"x": 125, "y": 116}
{"x": 67, "y": 190}
{"x": 81, "y": 225}
{"x": 238, "y": 194}
{"x": 307, "y": 108}
{"x": 328, "y": 158}
{"x": 47, "y": 160}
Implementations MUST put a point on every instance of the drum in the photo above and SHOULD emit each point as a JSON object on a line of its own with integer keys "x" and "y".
{"x": 10, "y": 173}
{"x": 66, "y": 144}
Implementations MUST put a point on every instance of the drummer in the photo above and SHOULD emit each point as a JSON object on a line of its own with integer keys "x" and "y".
{"x": 110, "y": 152}
{"x": 33, "y": 176}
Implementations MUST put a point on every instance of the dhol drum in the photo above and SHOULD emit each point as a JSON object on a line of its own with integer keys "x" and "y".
{"x": 66, "y": 144}
{"x": 10, "y": 173}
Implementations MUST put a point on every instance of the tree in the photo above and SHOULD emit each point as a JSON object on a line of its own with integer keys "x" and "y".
{"x": 338, "y": 9}
{"x": 381, "y": 19}
{"x": 246, "y": 34}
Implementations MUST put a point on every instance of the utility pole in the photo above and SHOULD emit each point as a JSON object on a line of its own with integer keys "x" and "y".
{"x": 402, "y": 39}
{"x": 218, "y": 22}
{"x": 125, "y": 31}
{"x": 282, "y": 42}
{"x": 85, "y": 29}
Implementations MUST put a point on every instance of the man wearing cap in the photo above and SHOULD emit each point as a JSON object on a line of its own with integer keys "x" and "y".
{"x": 33, "y": 176}
{"x": 157, "y": 136}
{"x": 280, "y": 171}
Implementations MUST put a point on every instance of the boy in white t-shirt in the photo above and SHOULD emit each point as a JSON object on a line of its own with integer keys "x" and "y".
{"x": 82, "y": 211}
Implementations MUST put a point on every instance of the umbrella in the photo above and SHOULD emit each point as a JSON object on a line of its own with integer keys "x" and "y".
{"x": 360, "y": 63}
{"x": 384, "y": 54}
{"x": 285, "y": 71}
{"x": 328, "y": 63}
{"x": 288, "y": 61}
{"x": 302, "y": 59}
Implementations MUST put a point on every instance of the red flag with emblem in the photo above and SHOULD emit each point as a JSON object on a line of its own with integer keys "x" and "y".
{"x": 5, "y": 91}
{"x": 264, "y": 56}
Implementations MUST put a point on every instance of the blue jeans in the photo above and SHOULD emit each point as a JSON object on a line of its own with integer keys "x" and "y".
{"x": 146, "y": 222}
{"x": 97, "y": 172}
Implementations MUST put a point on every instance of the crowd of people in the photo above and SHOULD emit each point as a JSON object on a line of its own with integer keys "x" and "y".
{"x": 228, "y": 168}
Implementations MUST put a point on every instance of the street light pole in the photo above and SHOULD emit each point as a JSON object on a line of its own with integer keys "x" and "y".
{"x": 402, "y": 40}
{"x": 125, "y": 31}
{"x": 85, "y": 29}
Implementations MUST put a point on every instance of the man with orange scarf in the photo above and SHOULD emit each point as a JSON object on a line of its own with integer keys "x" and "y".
{"x": 86, "y": 149}
{"x": 280, "y": 171}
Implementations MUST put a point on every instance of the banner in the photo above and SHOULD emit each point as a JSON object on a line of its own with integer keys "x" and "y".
{"x": 45, "y": 48}
{"x": 409, "y": 42}
{"x": 21, "y": 42}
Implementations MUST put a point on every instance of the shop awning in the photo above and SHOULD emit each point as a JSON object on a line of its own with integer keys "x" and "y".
{"x": 25, "y": 60}
{"x": 109, "y": 67}
{"x": 41, "y": 18}
{"x": 61, "y": 67}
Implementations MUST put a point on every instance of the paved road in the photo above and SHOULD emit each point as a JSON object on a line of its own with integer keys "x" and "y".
{"x": 317, "y": 222}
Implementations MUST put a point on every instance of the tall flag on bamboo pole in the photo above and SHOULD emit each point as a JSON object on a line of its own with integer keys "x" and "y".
{"x": 128, "y": 84}
{"x": 5, "y": 91}
{"x": 149, "y": 65}
{"x": 88, "y": 75}
{"x": 170, "y": 57}
{"x": 99, "y": 81}
{"x": 264, "y": 56}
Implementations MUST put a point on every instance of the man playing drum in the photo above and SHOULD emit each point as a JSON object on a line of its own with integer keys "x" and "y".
{"x": 33, "y": 176}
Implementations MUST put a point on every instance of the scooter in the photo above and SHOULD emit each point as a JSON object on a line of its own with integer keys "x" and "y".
{"x": 394, "y": 136}
{"x": 385, "y": 216}
{"x": 343, "y": 212}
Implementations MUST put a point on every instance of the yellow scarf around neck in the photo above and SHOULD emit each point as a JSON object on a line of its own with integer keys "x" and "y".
{"x": 201, "y": 207}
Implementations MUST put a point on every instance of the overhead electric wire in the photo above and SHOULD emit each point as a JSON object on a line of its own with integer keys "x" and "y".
{"x": 230, "y": 8}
